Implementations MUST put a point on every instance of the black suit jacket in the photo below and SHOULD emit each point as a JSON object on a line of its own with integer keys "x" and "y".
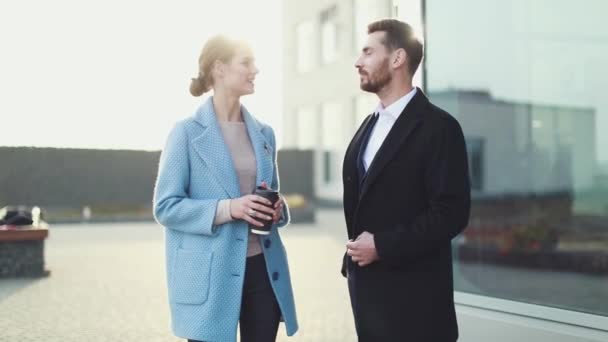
{"x": 415, "y": 198}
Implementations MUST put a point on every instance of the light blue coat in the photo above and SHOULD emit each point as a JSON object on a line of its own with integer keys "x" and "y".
{"x": 205, "y": 263}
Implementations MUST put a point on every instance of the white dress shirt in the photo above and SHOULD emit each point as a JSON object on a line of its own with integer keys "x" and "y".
{"x": 385, "y": 122}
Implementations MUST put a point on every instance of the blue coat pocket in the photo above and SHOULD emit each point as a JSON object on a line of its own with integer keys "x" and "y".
{"x": 191, "y": 273}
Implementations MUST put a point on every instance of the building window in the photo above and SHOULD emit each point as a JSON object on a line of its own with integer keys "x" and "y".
{"x": 333, "y": 138}
{"x": 306, "y": 51}
{"x": 365, "y": 104}
{"x": 308, "y": 128}
{"x": 328, "y": 174}
{"x": 475, "y": 155}
{"x": 332, "y": 116}
{"x": 364, "y": 12}
{"x": 531, "y": 90}
{"x": 329, "y": 35}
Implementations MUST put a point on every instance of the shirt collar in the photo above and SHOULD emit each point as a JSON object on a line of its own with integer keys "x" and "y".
{"x": 396, "y": 108}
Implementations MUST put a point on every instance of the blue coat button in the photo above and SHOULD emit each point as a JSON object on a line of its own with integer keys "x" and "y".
{"x": 275, "y": 276}
{"x": 267, "y": 243}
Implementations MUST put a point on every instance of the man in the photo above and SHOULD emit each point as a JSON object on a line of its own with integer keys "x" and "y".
{"x": 406, "y": 195}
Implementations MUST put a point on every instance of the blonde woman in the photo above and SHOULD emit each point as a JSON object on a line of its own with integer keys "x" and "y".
{"x": 219, "y": 273}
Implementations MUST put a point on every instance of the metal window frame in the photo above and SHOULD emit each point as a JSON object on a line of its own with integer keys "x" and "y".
{"x": 527, "y": 310}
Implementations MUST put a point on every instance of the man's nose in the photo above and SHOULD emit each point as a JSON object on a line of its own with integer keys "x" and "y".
{"x": 358, "y": 64}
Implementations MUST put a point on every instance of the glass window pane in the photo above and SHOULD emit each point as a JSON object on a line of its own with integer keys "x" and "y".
{"x": 305, "y": 32}
{"x": 333, "y": 139}
{"x": 308, "y": 122}
{"x": 364, "y": 12}
{"x": 329, "y": 35}
{"x": 526, "y": 80}
{"x": 365, "y": 104}
{"x": 333, "y": 127}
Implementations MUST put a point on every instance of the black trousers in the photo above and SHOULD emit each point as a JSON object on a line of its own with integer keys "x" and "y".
{"x": 260, "y": 312}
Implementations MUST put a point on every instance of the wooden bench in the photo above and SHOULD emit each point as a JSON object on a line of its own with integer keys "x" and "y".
{"x": 22, "y": 252}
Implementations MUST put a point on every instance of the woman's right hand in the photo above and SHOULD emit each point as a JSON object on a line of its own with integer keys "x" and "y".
{"x": 251, "y": 208}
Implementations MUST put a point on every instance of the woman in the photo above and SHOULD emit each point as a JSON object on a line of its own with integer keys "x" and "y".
{"x": 218, "y": 272}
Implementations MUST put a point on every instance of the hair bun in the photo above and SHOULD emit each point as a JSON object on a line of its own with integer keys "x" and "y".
{"x": 198, "y": 86}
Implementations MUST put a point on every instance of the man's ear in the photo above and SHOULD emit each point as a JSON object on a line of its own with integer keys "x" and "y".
{"x": 398, "y": 58}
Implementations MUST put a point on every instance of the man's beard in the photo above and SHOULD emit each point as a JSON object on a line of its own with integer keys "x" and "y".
{"x": 378, "y": 80}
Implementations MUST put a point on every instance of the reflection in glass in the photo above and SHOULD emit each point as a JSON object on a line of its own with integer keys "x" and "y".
{"x": 528, "y": 93}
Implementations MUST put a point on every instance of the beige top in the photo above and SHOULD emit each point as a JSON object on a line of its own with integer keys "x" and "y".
{"x": 243, "y": 157}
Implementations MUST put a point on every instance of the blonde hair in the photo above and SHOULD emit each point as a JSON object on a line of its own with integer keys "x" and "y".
{"x": 217, "y": 48}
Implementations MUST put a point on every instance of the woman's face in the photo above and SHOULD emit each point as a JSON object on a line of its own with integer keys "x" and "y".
{"x": 239, "y": 74}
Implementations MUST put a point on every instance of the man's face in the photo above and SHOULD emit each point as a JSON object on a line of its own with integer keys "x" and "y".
{"x": 373, "y": 64}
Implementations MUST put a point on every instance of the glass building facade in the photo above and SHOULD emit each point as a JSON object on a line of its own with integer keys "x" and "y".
{"x": 526, "y": 81}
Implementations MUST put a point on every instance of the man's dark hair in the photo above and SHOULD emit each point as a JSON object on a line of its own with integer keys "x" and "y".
{"x": 400, "y": 35}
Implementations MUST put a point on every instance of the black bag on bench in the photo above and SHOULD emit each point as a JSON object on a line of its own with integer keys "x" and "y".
{"x": 15, "y": 217}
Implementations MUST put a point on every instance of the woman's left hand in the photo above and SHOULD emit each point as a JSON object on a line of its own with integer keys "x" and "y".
{"x": 278, "y": 209}
{"x": 278, "y": 205}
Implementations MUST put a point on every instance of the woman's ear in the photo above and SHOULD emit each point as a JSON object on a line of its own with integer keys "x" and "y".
{"x": 218, "y": 69}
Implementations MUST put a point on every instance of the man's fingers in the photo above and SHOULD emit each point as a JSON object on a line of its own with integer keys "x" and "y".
{"x": 361, "y": 235}
{"x": 352, "y": 252}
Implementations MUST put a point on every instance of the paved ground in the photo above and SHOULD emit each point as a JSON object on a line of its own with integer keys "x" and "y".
{"x": 107, "y": 284}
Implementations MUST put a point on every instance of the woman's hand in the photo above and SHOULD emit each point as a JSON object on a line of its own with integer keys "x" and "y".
{"x": 278, "y": 209}
{"x": 252, "y": 208}
{"x": 278, "y": 205}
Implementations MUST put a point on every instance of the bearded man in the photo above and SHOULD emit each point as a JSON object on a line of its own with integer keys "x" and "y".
{"x": 406, "y": 196}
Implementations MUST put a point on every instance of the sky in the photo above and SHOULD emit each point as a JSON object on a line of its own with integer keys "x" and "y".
{"x": 115, "y": 74}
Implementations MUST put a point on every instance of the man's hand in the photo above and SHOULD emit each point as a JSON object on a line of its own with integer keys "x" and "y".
{"x": 363, "y": 249}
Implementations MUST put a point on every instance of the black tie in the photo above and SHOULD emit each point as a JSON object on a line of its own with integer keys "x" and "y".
{"x": 365, "y": 140}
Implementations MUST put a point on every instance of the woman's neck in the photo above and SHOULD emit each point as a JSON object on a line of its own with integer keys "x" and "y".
{"x": 227, "y": 108}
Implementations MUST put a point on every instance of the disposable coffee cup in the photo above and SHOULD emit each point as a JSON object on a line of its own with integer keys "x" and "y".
{"x": 272, "y": 196}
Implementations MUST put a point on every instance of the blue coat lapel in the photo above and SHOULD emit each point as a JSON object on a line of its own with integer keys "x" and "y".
{"x": 211, "y": 147}
{"x": 262, "y": 148}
